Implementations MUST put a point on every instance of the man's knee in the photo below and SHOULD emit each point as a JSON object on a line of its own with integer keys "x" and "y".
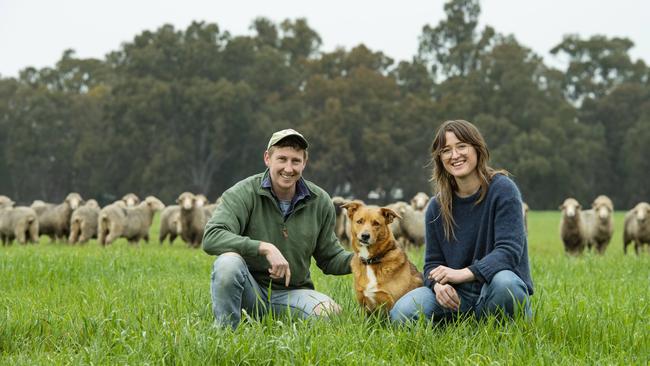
{"x": 227, "y": 267}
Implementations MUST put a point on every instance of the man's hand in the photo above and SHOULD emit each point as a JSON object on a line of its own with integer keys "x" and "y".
{"x": 447, "y": 296}
{"x": 444, "y": 275}
{"x": 279, "y": 265}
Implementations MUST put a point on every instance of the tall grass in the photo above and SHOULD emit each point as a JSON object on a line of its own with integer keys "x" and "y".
{"x": 150, "y": 304}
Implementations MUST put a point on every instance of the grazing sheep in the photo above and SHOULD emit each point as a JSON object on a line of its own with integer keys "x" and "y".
{"x": 84, "y": 222}
{"x": 131, "y": 199}
{"x": 341, "y": 219}
{"x": 170, "y": 223}
{"x": 110, "y": 222}
{"x": 637, "y": 227}
{"x": 598, "y": 224}
{"x": 193, "y": 219}
{"x": 420, "y": 201}
{"x": 6, "y": 201}
{"x": 571, "y": 227}
{"x": 53, "y": 219}
{"x": 20, "y": 223}
{"x": 412, "y": 224}
{"x": 524, "y": 210}
{"x": 132, "y": 223}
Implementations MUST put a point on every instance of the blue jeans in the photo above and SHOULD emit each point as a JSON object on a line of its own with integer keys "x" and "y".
{"x": 233, "y": 288}
{"x": 506, "y": 294}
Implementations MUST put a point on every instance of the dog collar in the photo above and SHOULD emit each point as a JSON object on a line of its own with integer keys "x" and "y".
{"x": 373, "y": 260}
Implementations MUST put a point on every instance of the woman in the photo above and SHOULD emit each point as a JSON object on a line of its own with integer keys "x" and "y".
{"x": 476, "y": 259}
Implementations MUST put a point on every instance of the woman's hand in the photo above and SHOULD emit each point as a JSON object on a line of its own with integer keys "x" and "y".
{"x": 447, "y": 296}
{"x": 444, "y": 275}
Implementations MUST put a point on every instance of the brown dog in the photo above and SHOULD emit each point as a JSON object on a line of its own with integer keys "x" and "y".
{"x": 382, "y": 272}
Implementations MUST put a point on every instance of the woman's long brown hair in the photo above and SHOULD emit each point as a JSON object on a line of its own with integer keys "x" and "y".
{"x": 444, "y": 184}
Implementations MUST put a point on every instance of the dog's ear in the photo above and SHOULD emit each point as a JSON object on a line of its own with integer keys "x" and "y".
{"x": 352, "y": 207}
{"x": 389, "y": 214}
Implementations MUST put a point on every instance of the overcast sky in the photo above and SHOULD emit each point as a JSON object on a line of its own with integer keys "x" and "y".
{"x": 36, "y": 32}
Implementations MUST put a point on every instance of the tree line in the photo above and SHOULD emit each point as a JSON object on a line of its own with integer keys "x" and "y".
{"x": 191, "y": 110}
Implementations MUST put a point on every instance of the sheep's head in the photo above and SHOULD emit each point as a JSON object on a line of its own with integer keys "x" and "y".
{"x": 92, "y": 203}
{"x": 200, "y": 200}
{"x": 570, "y": 208}
{"x": 6, "y": 202}
{"x": 603, "y": 207}
{"x": 74, "y": 200}
{"x": 131, "y": 199}
{"x": 642, "y": 211}
{"x": 420, "y": 201}
{"x": 154, "y": 203}
{"x": 186, "y": 200}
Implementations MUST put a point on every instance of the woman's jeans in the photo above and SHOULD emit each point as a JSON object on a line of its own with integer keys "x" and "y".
{"x": 506, "y": 294}
{"x": 234, "y": 288}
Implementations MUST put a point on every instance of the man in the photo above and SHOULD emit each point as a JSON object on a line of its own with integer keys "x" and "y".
{"x": 265, "y": 232}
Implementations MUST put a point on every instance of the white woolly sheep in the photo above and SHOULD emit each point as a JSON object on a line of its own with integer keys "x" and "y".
{"x": 420, "y": 201}
{"x": 193, "y": 219}
{"x": 170, "y": 224}
{"x": 20, "y": 223}
{"x": 396, "y": 225}
{"x": 131, "y": 199}
{"x": 53, "y": 219}
{"x": 133, "y": 223}
{"x": 110, "y": 222}
{"x": 571, "y": 227}
{"x": 598, "y": 224}
{"x": 208, "y": 208}
{"x": 412, "y": 225}
{"x": 84, "y": 222}
{"x": 6, "y": 202}
{"x": 637, "y": 227}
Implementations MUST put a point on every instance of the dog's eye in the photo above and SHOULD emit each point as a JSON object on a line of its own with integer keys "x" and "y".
{"x": 375, "y": 223}
{"x": 360, "y": 221}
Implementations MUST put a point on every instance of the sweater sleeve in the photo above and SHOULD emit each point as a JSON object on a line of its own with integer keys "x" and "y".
{"x": 433, "y": 256}
{"x": 223, "y": 232}
{"x": 330, "y": 256}
{"x": 509, "y": 238}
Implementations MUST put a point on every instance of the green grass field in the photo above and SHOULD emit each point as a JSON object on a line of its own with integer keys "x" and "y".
{"x": 150, "y": 304}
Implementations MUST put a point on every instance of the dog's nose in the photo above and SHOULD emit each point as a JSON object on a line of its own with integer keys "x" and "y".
{"x": 365, "y": 236}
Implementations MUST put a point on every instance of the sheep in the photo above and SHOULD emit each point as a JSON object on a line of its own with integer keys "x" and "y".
{"x": 571, "y": 227}
{"x": 341, "y": 219}
{"x": 420, "y": 201}
{"x": 396, "y": 225}
{"x": 110, "y": 222}
{"x": 83, "y": 222}
{"x": 54, "y": 220}
{"x": 524, "y": 211}
{"x": 637, "y": 227}
{"x": 193, "y": 219}
{"x": 20, "y": 223}
{"x": 412, "y": 224}
{"x": 132, "y": 223}
{"x": 598, "y": 224}
{"x": 6, "y": 201}
{"x": 170, "y": 223}
{"x": 131, "y": 199}
{"x": 208, "y": 208}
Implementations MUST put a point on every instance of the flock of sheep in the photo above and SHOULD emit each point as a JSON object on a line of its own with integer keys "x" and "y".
{"x": 593, "y": 228}
{"x": 77, "y": 221}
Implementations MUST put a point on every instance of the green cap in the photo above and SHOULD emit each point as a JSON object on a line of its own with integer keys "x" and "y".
{"x": 280, "y": 135}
